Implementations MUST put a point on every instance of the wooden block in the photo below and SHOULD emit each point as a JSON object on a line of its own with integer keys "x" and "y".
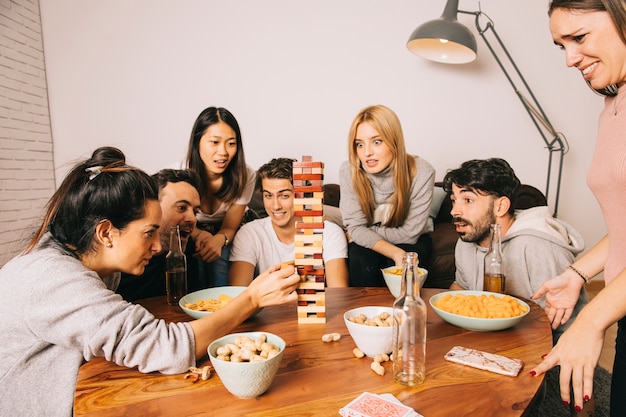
{"x": 317, "y": 297}
{"x": 308, "y": 201}
{"x": 308, "y": 250}
{"x": 309, "y": 261}
{"x": 313, "y": 219}
{"x": 302, "y": 213}
{"x": 297, "y": 177}
{"x": 306, "y": 225}
{"x": 307, "y": 189}
{"x": 311, "y": 286}
{"x": 312, "y": 320}
{"x": 309, "y": 238}
{"x": 308, "y": 164}
{"x": 312, "y": 308}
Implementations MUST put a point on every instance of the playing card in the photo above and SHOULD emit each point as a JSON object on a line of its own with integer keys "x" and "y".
{"x": 372, "y": 405}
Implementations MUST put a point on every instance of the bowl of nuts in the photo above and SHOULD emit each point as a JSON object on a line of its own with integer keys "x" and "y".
{"x": 247, "y": 362}
{"x": 371, "y": 329}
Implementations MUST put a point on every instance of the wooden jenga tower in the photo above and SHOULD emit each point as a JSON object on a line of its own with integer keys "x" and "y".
{"x": 308, "y": 178}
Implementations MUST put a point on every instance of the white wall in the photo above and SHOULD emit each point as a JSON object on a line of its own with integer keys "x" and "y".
{"x": 136, "y": 74}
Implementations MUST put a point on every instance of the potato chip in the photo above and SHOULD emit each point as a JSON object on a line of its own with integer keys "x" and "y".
{"x": 210, "y": 304}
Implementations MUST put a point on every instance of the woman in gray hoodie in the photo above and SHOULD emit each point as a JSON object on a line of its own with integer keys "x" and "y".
{"x": 57, "y": 299}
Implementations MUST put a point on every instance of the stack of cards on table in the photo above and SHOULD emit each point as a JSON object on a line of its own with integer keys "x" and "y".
{"x": 375, "y": 405}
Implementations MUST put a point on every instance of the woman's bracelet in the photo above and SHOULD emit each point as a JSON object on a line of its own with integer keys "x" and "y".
{"x": 580, "y": 274}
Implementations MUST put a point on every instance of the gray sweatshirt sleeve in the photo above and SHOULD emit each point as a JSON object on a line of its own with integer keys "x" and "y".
{"x": 88, "y": 317}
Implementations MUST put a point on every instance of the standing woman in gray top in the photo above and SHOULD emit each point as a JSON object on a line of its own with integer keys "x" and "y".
{"x": 385, "y": 197}
{"x": 57, "y": 302}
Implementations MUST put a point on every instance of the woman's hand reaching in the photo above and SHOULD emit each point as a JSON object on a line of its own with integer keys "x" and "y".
{"x": 561, "y": 294}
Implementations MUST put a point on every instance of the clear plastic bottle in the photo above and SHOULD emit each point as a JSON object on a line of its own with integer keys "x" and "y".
{"x": 409, "y": 327}
{"x": 176, "y": 269}
{"x": 494, "y": 279}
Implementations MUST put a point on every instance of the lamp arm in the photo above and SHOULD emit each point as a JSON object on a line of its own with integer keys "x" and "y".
{"x": 557, "y": 143}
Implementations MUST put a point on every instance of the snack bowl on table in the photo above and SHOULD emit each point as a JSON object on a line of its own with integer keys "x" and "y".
{"x": 247, "y": 379}
{"x": 393, "y": 278}
{"x": 476, "y": 323}
{"x": 209, "y": 294}
{"x": 371, "y": 340}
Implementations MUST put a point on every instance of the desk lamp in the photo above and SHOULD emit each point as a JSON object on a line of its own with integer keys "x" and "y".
{"x": 447, "y": 41}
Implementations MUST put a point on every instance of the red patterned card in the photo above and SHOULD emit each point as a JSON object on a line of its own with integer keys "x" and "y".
{"x": 372, "y": 405}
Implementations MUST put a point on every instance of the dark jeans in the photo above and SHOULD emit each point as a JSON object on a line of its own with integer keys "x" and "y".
{"x": 618, "y": 382}
{"x": 365, "y": 264}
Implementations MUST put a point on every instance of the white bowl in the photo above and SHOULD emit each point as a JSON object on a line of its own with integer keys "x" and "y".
{"x": 371, "y": 340}
{"x": 209, "y": 293}
{"x": 394, "y": 281}
{"x": 246, "y": 379}
{"x": 474, "y": 323}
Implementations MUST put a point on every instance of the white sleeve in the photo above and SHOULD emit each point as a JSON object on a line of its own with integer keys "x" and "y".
{"x": 334, "y": 242}
{"x": 246, "y": 196}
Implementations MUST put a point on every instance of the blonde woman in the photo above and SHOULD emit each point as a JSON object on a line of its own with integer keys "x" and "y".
{"x": 385, "y": 197}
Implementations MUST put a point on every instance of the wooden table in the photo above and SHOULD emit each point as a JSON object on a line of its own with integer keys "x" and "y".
{"x": 317, "y": 378}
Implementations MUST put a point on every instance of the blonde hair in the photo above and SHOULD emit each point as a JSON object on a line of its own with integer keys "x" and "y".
{"x": 403, "y": 166}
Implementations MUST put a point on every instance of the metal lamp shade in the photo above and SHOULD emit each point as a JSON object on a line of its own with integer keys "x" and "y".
{"x": 443, "y": 41}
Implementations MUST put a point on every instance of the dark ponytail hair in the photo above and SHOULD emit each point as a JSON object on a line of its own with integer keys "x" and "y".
{"x": 102, "y": 187}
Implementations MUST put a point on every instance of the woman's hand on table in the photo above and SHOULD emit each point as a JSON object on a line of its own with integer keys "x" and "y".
{"x": 275, "y": 286}
{"x": 562, "y": 294}
{"x": 208, "y": 246}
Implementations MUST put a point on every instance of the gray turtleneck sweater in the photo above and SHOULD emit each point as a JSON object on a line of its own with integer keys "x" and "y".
{"x": 415, "y": 224}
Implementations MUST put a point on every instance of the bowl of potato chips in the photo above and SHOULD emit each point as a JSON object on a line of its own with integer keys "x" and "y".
{"x": 393, "y": 278}
{"x": 200, "y": 303}
{"x": 481, "y": 311}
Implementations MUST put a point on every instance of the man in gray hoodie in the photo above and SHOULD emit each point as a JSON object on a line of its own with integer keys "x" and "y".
{"x": 535, "y": 245}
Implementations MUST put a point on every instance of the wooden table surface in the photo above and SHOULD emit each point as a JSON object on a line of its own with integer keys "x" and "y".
{"x": 317, "y": 378}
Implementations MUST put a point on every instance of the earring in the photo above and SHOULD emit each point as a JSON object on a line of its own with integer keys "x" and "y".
{"x": 109, "y": 245}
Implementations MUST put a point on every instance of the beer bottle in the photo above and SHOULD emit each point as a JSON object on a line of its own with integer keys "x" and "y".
{"x": 494, "y": 279}
{"x": 176, "y": 269}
